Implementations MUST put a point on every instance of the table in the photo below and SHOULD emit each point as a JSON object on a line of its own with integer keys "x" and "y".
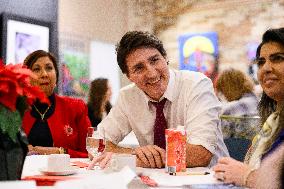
{"x": 33, "y": 163}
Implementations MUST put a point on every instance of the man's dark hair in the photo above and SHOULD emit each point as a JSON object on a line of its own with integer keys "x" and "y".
{"x": 134, "y": 40}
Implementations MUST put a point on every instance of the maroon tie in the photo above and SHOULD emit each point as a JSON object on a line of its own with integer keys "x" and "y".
{"x": 160, "y": 124}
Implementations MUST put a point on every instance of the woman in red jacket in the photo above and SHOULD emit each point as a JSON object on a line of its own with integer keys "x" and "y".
{"x": 61, "y": 126}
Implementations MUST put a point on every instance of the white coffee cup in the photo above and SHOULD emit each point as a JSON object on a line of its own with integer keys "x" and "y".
{"x": 119, "y": 161}
{"x": 58, "y": 162}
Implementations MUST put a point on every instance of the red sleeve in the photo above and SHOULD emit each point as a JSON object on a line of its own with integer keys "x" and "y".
{"x": 83, "y": 122}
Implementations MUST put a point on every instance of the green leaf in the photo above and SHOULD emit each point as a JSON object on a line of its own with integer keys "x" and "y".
{"x": 10, "y": 122}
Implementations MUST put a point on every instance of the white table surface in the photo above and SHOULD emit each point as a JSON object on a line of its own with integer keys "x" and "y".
{"x": 33, "y": 163}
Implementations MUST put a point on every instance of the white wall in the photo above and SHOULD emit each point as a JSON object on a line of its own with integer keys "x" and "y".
{"x": 104, "y": 20}
{"x": 103, "y": 64}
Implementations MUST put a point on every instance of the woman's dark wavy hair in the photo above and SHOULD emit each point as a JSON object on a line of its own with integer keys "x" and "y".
{"x": 134, "y": 40}
{"x": 97, "y": 93}
{"x": 267, "y": 105}
{"x": 34, "y": 56}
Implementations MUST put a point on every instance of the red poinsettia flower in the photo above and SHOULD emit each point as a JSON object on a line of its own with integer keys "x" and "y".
{"x": 15, "y": 82}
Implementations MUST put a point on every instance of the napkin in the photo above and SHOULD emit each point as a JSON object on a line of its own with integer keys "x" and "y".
{"x": 79, "y": 164}
{"x": 148, "y": 181}
{"x": 44, "y": 180}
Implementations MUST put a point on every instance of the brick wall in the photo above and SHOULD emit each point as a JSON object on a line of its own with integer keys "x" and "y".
{"x": 237, "y": 22}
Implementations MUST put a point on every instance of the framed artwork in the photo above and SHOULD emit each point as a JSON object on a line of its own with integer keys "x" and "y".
{"x": 21, "y": 36}
{"x": 75, "y": 74}
{"x": 199, "y": 52}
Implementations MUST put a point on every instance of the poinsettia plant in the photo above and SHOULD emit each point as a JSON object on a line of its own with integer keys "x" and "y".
{"x": 16, "y": 93}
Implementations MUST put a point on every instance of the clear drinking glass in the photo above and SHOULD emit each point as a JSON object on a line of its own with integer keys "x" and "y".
{"x": 95, "y": 144}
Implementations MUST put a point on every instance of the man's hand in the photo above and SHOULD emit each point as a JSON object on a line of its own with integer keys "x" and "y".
{"x": 150, "y": 156}
{"x": 103, "y": 160}
{"x": 197, "y": 156}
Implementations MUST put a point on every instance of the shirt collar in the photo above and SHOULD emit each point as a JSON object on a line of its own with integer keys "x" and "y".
{"x": 169, "y": 94}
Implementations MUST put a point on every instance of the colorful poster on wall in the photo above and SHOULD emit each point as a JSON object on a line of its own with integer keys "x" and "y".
{"x": 199, "y": 52}
{"x": 75, "y": 74}
{"x": 252, "y": 68}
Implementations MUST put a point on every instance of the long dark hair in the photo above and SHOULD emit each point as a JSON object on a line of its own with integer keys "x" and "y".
{"x": 267, "y": 105}
{"x": 97, "y": 95}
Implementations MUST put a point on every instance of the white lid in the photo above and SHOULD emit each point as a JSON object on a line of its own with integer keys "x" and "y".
{"x": 181, "y": 128}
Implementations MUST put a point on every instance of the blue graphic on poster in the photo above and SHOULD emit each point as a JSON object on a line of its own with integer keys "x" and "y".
{"x": 252, "y": 67}
{"x": 199, "y": 52}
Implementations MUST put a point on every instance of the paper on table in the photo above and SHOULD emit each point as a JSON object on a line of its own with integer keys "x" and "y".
{"x": 100, "y": 180}
{"x": 164, "y": 179}
{"x": 167, "y": 180}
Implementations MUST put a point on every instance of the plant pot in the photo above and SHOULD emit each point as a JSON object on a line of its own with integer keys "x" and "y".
{"x": 12, "y": 156}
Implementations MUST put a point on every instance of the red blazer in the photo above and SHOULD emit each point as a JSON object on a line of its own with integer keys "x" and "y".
{"x": 68, "y": 125}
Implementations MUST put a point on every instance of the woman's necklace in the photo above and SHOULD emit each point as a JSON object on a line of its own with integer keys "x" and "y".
{"x": 42, "y": 115}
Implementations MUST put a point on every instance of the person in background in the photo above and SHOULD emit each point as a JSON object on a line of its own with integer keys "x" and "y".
{"x": 270, "y": 61}
{"x": 60, "y": 127}
{"x": 237, "y": 89}
{"x": 161, "y": 98}
{"x": 240, "y": 102}
{"x": 99, "y": 100}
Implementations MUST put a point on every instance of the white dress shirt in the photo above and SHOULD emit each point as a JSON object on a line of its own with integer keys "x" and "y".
{"x": 191, "y": 103}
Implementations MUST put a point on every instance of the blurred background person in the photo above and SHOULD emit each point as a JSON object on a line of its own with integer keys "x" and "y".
{"x": 60, "y": 127}
{"x": 270, "y": 61}
{"x": 235, "y": 89}
{"x": 99, "y": 100}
